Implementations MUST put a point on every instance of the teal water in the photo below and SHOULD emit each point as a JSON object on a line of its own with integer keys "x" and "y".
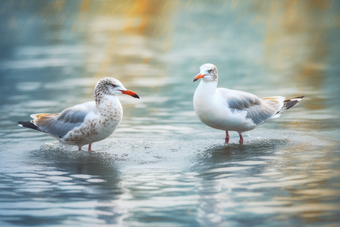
{"x": 163, "y": 167}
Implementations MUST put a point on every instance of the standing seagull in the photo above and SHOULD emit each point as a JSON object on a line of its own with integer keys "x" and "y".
{"x": 232, "y": 110}
{"x": 88, "y": 122}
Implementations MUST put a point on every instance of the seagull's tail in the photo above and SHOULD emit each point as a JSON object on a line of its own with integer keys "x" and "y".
{"x": 28, "y": 124}
{"x": 289, "y": 103}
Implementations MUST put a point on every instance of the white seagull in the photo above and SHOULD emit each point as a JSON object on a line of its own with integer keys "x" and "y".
{"x": 232, "y": 110}
{"x": 88, "y": 122}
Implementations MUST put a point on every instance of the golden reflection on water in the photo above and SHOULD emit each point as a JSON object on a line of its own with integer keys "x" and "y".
{"x": 123, "y": 29}
{"x": 297, "y": 49}
{"x": 120, "y": 30}
{"x": 296, "y": 39}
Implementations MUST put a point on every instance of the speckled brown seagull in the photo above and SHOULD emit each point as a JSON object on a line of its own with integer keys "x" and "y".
{"x": 232, "y": 110}
{"x": 88, "y": 122}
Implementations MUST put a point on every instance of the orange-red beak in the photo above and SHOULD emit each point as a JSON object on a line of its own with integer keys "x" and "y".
{"x": 199, "y": 76}
{"x": 131, "y": 93}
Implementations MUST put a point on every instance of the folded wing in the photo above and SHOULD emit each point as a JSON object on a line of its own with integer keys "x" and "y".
{"x": 58, "y": 125}
{"x": 258, "y": 110}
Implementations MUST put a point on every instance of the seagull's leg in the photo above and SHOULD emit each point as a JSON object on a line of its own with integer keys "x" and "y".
{"x": 241, "y": 138}
{"x": 90, "y": 146}
{"x": 227, "y": 137}
{"x": 79, "y": 148}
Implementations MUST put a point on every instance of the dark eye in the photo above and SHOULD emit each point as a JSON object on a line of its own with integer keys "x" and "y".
{"x": 113, "y": 85}
{"x": 210, "y": 70}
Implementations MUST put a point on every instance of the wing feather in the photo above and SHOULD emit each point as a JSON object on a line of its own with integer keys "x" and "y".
{"x": 258, "y": 110}
{"x": 58, "y": 125}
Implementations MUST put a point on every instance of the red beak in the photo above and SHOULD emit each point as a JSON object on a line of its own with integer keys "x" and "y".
{"x": 131, "y": 93}
{"x": 199, "y": 76}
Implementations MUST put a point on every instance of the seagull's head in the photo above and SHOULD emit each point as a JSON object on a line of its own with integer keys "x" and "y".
{"x": 112, "y": 86}
{"x": 208, "y": 73}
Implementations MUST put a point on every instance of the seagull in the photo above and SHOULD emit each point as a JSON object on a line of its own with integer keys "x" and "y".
{"x": 232, "y": 110}
{"x": 88, "y": 122}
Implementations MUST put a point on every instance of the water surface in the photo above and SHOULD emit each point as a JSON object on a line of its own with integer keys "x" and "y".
{"x": 163, "y": 167}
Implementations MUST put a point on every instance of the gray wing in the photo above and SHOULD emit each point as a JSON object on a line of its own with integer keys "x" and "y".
{"x": 257, "y": 110}
{"x": 58, "y": 125}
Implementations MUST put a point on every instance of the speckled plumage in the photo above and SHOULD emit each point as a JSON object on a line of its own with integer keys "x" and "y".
{"x": 88, "y": 122}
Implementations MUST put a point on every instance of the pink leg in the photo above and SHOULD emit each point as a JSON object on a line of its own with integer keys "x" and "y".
{"x": 241, "y": 138}
{"x": 227, "y": 137}
{"x": 79, "y": 148}
{"x": 90, "y": 146}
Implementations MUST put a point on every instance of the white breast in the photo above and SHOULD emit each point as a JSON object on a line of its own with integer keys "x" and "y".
{"x": 212, "y": 109}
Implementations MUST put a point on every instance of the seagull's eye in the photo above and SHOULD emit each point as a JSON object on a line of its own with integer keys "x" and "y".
{"x": 113, "y": 85}
{"x": 210, "y": 70}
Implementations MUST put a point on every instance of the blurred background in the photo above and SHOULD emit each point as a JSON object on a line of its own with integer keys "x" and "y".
{"x": 163, "y": 166}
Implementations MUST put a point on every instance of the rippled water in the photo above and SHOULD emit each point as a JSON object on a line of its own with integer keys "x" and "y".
{"x": 162, "y": 167}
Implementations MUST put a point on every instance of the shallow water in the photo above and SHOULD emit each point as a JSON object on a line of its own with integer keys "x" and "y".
{"x": 162, "y": 166}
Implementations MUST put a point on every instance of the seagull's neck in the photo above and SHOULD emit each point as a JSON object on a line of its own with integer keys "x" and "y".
{"x": 207, "y": 88}
{"x": 204, "y": 98}
{"x": 105, "y": 102}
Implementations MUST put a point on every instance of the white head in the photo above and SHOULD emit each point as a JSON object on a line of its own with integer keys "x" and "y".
{"x": 111, "y": 86}
{"x": 208, "y": 73}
